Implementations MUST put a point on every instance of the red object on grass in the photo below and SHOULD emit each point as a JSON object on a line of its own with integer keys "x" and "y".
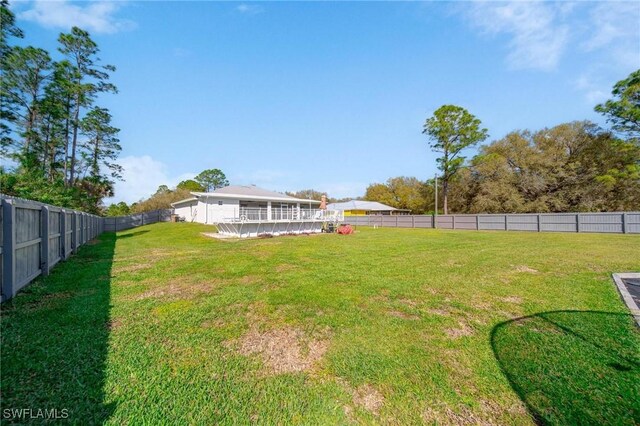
{"x": 345, "y": 230}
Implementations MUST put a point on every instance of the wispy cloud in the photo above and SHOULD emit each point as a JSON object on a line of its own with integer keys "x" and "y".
{"x": 142, "y": 175}
{"x": 538, "y": 35}
{"x": 249, "y": 9}
{"x": 614, "y": 26}
{"x": 97, "y": 17}
{"x": 592, "y": 90}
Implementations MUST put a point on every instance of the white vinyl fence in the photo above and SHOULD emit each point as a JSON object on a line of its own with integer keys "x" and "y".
{"x": 616, "y": 223}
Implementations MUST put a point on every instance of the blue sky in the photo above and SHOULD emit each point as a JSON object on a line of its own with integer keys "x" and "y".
{"x": 333, "y": 95}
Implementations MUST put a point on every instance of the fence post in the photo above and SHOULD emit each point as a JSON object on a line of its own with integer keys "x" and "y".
{"x": 74, "y": 236}
{"x": 413, "y": 221}
{"x": 44, "y": 242}
{"x": 453, "y": 221}
{"x": 8, "y": 248}
{"x": 506, "y": 222}
{"x": 433, "y": 217}
{"x": 539, "y": 225}
{"x": 624, "y": 223}
{"x": 477, "y": 222}
{"x": 396, "y": 221}
{"x": 63, "y": 234}
{"x": 578, "y": 222}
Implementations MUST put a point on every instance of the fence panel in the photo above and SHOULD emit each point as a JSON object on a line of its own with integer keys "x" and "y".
{"x": 628, "y": 223}
{"x": 602, "y": 222}
{"x": 492, "y": 222}
{"x": 28, "y": 241}
{"x": 423, "y": 221}
{"x": 558, "y": 222}
{"x": 632, "y": 223}
{"x": 522, "y": 222}
{"x": 444, "y": 222}
{"x": 68, "y": 248}
{"x": 55, "y": 242}
{"x": 465, "y": 222}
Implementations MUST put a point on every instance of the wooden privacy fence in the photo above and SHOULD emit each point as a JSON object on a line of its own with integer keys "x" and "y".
{"x": 616, "y": 223}
{"x": 34, "y": 237}
{"x": 120, "y": 223}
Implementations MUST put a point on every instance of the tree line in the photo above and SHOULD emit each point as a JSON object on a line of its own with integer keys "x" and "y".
{"x": 570, "y": 167}
{"x": 206, "y": 181}
{"x": 61, "y": 146}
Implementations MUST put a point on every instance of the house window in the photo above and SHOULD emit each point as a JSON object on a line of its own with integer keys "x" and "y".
{"x": 219, "y": 203}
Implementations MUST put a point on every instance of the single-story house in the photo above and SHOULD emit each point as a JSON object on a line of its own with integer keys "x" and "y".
{"x": 365, "y": 208}
{"x": 248, "y": 211}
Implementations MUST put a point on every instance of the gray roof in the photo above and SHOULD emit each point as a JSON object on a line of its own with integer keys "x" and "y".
{"x": 250, "y": 191}
{"x": 360, "y": 205}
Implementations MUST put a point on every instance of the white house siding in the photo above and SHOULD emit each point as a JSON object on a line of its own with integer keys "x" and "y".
{"x": 211, "y": 211}
{"x": 187, "y": 210}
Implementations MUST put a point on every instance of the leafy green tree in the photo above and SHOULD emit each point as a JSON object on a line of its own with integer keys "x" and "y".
{"x": 451, "y": 130}
{"x": 308, "y": 194}
{"x": 119, "y": 209}
{"x": 212, "y": 179}
{"x": 623, "y": 111}
{"x": 89, "y": 79}
{"x": 160, "y": 200}
{"x": 567, "y": 168}
{"x": 103, "y": 146}
{"x": 402, "y": 193}
{"x": 162, "y": 189}
{"x": 8, "y": 29}
{"x": 25, "y": 71}
{"x": 190, "y": 185}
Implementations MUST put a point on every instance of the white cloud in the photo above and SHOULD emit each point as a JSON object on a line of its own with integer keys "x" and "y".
{"x": 142, "y": 177}
{"x": 538, "y": 35}
{"x": 593, "y": 92}
{"x": 98, "y": 17}
{"x": 615, "y": 27}
{"x": 249, "y": 9}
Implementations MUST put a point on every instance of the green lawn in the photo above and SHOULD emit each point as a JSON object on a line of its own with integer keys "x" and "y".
{"x": 161, "y": 325}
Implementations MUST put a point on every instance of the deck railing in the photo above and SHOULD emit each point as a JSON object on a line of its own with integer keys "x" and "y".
{"x": 254, "y": 214}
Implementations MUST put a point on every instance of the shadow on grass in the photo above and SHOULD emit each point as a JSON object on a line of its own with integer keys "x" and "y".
{"x": 54, "y": 341}
{"x": 573, "y": 367}
{"x": 132, "y": 234}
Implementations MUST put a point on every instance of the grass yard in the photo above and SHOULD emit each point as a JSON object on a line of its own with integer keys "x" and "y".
{"x": 161, "y": 325}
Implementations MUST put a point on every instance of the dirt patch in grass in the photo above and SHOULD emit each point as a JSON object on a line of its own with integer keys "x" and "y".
{"x": 284, "y": 267}
{"x": 525, "y": 268}
{"x": 408, "y": 302}
{"x": 403, "y": 315}
{"x": 249, "y": 279}
{"x": 439, "y": 311}
{"x": 369, "y": 398}
{"x": 131, "y": 268}
{"x": 512, "y": 299}
{"x": 216, "y": 323}
{"x": 445, "y": 415}
{"x": 113, "y": 324}
{"x": 284, "y": 350}
{"x": 462, "y": 330}
{"x": 182, "y": 291}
